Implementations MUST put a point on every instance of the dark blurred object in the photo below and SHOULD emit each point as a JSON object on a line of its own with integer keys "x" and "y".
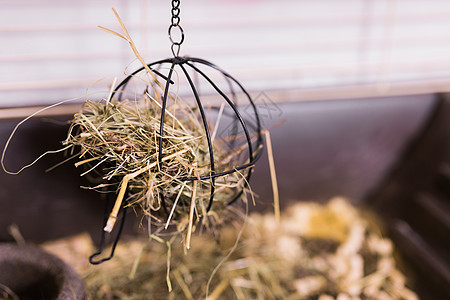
{"x": 339, "y": 147}
{"x": 414, "y": 202}
{"x": 44, "y": 205}
{"x": 28, "y": 272}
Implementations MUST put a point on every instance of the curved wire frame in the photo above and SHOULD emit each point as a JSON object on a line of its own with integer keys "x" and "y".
{"x": 93, "y": 258}
{"x": 185, "y": 64}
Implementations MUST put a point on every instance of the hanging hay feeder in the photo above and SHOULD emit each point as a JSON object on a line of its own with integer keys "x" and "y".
{"x": 170, "y": 139}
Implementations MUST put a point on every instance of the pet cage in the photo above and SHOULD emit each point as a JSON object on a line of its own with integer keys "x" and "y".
{"x": 369, "y": 122}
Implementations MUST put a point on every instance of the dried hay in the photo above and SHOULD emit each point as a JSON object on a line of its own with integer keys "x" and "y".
{"x": 293, "y": 259}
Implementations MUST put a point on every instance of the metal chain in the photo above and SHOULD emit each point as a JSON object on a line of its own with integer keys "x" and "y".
{"x": 175, "y": 25}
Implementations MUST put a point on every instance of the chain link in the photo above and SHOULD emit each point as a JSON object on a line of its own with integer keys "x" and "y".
{"x": 175, "y": 25}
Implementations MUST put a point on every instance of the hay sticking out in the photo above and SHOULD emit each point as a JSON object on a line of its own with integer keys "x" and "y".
{"x": 119, "y": 144}
{"x": 286, "y": 260}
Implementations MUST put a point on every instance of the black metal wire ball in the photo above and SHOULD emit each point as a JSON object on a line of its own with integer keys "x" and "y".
{"x": 181, "y": 102}
{"x": 224, "y": 110}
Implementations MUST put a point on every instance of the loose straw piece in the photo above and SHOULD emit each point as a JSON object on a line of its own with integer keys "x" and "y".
{"x": 8, "y": 141}
{"x": 14, "y": 231}
{"x": 128, "y": 38}
{"x": 169, "y": 256}
{"x": 176, "y": 202}
{"x": 191, "y": 212}
{"x": 273, "y": 176}
{"x": 218, "y": 290}
{"x": 184, "y": 288}
{"x": 216, "y": 126}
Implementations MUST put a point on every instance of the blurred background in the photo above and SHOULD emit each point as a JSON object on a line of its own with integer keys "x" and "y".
{"x": 361, "y": 86}
{"x": 53, "y": 50}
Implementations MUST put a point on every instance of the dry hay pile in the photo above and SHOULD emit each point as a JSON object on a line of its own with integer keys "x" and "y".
{"x": 118, "y": 142}
{"x": 316, "y": 252}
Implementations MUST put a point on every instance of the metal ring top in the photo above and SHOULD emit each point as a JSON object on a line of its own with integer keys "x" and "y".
{"x": 170, "y": 34}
